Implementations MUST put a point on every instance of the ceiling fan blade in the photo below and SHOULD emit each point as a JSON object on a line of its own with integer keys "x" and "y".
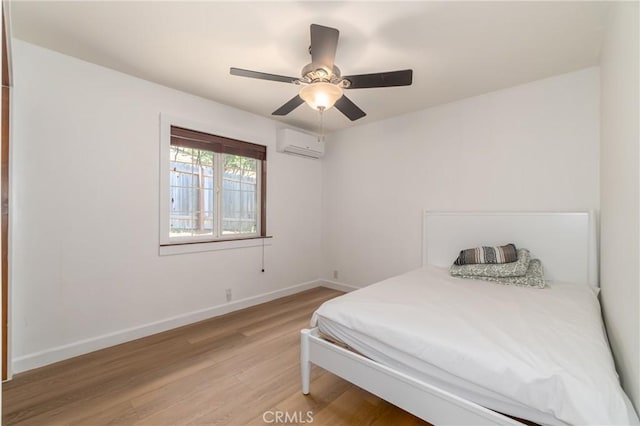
{"x": 348, "y": 108}
{"x": 381, "y": 79}
{"x": 261, "y": 75}
{"x": 324, "y": 42}
{"x": 285, "y": 109}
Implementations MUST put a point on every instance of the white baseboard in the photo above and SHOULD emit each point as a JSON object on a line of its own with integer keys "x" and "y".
{"x": 338, "y": 285}
{"x": 59, "y": 353}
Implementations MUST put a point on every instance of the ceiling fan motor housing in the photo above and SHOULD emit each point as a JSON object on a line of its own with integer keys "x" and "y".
{"x": 312, "y": 73}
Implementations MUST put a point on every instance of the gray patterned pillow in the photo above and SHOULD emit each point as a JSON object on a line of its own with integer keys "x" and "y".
{"x": 485, "y": 254}
{"x": 533, "y": 278}
{"x": 513, "y": 269}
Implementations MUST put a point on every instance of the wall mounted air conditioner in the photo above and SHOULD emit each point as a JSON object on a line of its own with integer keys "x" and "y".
{"x": 298, "y": 143}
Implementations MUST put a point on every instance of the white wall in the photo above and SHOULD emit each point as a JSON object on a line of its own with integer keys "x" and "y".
{"x": 619, "y": 192}
{"x": 85, "y": 210}
{"x": 531, "y": 147}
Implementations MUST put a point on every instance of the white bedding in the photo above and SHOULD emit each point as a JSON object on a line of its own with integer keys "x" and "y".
{"x": 539, "y": 354}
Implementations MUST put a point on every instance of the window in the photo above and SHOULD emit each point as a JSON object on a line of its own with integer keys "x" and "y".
{"x": 216, "y": 188}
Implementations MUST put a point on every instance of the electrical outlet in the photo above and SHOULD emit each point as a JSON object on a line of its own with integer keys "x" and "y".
{"x": 335, "y": 275}
{"x": 229, "y": 295}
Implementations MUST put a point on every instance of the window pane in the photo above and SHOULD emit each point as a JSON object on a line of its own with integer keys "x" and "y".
{"x": 239, "y": 195}
{"x": 191, "y": 186}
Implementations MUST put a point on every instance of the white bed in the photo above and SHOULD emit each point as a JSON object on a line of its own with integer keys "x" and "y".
{"x": 445, "y": 348}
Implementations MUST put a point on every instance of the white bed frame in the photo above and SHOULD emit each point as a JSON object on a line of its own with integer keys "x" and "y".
{"x": 566, "y": 244}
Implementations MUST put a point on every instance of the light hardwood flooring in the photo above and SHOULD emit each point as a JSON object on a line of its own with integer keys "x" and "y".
{"x": 226, "y": 370}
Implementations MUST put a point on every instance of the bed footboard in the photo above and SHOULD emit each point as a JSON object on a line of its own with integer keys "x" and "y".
{"x": 421, "y": 399}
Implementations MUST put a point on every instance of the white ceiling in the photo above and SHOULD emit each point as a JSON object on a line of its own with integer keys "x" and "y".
{"x": 456, "y": 49}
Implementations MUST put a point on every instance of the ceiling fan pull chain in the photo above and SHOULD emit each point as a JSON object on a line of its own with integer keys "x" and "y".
{"x": 321, "y": 136}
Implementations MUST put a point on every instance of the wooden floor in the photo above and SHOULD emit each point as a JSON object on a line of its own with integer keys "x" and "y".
{"x": 227, "y": 370}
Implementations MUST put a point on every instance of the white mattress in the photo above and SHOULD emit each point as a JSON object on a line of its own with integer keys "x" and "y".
{"x": 537, "y": 354}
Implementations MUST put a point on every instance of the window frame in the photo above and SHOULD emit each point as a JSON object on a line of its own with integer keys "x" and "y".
{"x": 219, "y": 145}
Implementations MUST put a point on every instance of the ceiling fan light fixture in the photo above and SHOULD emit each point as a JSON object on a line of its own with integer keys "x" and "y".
{"x": 321, "y": 95}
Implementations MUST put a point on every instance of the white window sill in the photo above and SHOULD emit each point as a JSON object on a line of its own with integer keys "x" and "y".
{"x": 169, "y": 250}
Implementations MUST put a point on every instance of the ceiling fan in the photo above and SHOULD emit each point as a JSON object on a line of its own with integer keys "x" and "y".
{"x": 321, "y": 81}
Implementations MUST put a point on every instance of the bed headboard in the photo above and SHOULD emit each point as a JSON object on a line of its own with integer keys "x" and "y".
{"x": 564, "y": 242}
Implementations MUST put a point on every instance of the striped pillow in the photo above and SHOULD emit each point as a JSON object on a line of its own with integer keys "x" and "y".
{"x": 502, "y": 254}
